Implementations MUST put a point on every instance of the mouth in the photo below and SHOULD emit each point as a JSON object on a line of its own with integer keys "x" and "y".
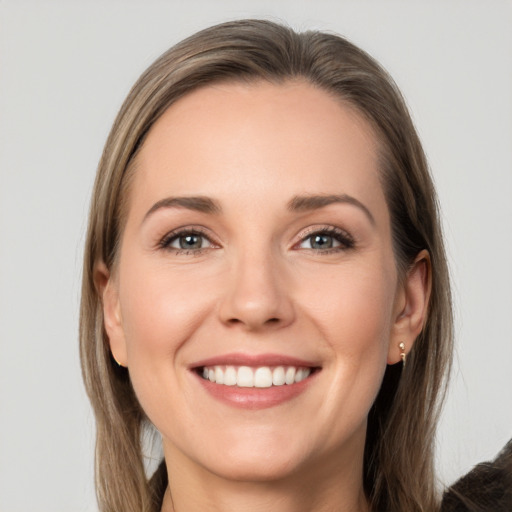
{"x": 255, "y": 381}
{"x": 255, "y": 377}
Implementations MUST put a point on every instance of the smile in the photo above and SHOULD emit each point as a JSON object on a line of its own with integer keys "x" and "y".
{"x": 255, "y": 381}
{"x": 254, "y": 377}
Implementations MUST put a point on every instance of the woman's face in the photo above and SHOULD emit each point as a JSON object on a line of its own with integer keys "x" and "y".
{"x": 257, "y": 253}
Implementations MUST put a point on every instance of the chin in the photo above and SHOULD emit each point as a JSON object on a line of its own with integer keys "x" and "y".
{"x": 250, "y": 455}
{"x": 257, "y": 467}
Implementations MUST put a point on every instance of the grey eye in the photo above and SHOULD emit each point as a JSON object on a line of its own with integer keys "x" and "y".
{"x": 188, "y": 242}
{"x": 320, "y": 241}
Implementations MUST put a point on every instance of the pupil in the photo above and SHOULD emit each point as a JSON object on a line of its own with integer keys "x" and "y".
{"x": 321, "y": 242}
{"x": 190, "y": 242}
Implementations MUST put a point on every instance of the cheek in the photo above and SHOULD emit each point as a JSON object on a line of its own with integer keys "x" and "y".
{"x": 354, "y": 313}
{"x": 353, "y": 307}
{"x": 160, "y": 310}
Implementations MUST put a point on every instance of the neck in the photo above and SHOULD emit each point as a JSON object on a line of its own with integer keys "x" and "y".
{"x": 328, "y": 486}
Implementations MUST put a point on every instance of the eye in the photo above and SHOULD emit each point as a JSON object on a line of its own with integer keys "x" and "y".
{"x": 320, "y": 241}
{"x": 186, "y": 240}
{"x": 327, "y": 239}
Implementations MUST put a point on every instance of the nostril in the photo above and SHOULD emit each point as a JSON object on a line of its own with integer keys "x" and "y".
{"x": 270, "y": 321}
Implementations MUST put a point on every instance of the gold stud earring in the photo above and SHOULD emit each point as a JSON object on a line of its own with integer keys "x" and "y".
{"x": 401, "y": 346}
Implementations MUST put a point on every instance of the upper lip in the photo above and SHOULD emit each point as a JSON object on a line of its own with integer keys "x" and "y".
{"x": 254, "y": 360}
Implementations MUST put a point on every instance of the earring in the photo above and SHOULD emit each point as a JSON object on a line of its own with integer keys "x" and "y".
{"x": 117, "y": 362}
{"x": 401, "y": 346}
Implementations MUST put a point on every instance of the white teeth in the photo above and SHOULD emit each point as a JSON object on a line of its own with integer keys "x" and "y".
{"x": 261, "y": 377}
{"x": 278, "y": 376}
{"x": 219, "y": 375}
{"x": 302, "y": 374}
{"x": 230, "y": 376}
{"x": 290, "y": 375}
{"x": 245, "y": 377}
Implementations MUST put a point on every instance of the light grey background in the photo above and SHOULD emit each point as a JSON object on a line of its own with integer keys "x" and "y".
{"x": 65, "y": 68}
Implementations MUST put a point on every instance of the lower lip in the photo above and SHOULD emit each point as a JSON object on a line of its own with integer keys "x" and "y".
{"x": 256, "y": 398}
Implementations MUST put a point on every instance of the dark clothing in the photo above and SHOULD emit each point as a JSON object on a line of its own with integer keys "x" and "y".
{"x": 487, "y": 488}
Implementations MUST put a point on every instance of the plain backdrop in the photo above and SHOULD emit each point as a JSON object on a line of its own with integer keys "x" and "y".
{"x": 65, "y": 68}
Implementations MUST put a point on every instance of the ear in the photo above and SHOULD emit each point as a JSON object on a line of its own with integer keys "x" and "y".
{"x": 107, "y": 288}
{"x": 411, "y": 306}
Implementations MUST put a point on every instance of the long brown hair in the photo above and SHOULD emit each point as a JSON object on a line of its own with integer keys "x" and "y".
{"x": 398, "y": 459}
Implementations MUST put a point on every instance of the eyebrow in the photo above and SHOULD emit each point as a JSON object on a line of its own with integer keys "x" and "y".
{"x": 196, "y": 203}
{"x": 309, "y": 202}
{"x": 296, "y": 204}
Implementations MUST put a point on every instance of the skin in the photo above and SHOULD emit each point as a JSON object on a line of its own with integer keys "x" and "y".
{"x": 258, "y": 286}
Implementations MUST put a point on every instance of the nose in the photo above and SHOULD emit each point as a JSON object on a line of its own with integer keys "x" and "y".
{"x": 257, "y": 294}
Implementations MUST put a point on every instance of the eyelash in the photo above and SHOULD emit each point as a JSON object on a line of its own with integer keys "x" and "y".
{"x": 173, "y": 236}
{"x": 339, "y": 235}
{"x": 344, "y": 239}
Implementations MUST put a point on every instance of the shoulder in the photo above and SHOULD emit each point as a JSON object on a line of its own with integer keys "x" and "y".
{"x": 487, "y": 488}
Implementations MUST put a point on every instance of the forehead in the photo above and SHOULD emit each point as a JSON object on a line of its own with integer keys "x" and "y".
{"x": 258, "y": 141}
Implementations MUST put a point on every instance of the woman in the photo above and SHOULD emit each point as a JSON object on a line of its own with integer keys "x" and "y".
{"x": 265, "y": 283}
